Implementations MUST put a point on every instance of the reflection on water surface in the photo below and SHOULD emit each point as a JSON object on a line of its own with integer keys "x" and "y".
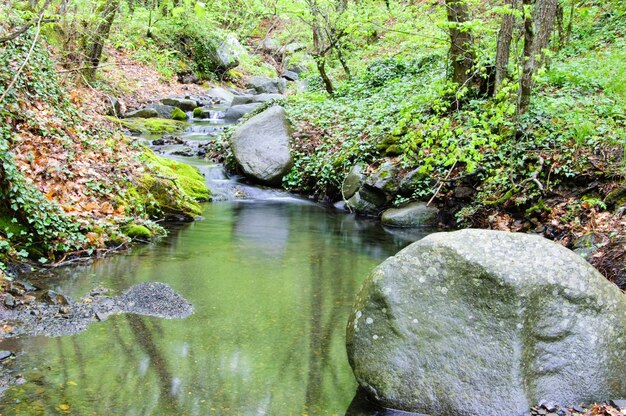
{"x": 272, "y": 284}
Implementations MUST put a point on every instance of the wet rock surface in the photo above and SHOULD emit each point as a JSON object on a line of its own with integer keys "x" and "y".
{"x": 56, "y": 315}
{"x": 478, "y": 322}
{"x": 261, "y": 146}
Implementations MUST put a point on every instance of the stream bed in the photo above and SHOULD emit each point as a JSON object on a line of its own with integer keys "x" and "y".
{"x": 271, "y": 278}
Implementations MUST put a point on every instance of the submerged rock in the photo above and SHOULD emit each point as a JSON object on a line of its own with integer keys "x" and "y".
{"x": 261, "y": 146}
{"x": 487, "y": 323}
{"x": 414, "y": 214}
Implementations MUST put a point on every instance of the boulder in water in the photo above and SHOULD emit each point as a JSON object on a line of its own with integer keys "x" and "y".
{"x": 478, "y": 322}
{"x": 163, "y": 110}
{"x": 220, "y": 94}
{"x": 184, "y": 104}
{"x": 353, "y": 181}
{"x": 261, "y": 146}
{"x": 142, "y": 113}
{"x": 414, "y": 214}
{"x": 237, "y": 111}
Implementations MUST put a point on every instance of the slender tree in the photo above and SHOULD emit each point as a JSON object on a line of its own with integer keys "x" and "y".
{"x": 505, "y": 35}
{"x": 461, "y": 52}
{"x": 106, "y": 12}
{"x": 528, "y": 60}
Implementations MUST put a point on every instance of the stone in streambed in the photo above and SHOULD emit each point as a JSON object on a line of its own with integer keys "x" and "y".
{"x": 261, "y": 146}
{"x": 478, "y": 322}
{"x": 181, "y": 103}
{"x": 142, "y": 113}
{"x": 353, "y": 181}
{"x": 414, "y": 214}
{"x": 237, "y": 111}
{"x": 163, "y": 111}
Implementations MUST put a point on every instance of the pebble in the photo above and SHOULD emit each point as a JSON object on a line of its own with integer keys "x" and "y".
{"x": 9, "y": 301}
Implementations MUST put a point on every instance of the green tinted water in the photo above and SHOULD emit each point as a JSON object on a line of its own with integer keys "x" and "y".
{"x": 272, "y": 284}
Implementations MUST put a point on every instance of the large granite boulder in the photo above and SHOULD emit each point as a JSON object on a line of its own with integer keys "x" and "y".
{"x": 488, "y": 323}
{"x": 414, "y": 214}
{"x": 261, "y": 146}
{"x": 221, "y": 95}
{"x": 227, "y": 54}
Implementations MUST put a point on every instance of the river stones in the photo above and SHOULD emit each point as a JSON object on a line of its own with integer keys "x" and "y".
{"x": 266, "y": 85}
{"x": 261, "y": 146}
{"x": 237, "y": 111}
{"x": 479, "y": 322}
{"x": 414, "y": 214}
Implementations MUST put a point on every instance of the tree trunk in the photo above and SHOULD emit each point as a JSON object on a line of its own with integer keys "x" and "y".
{"x": 320, "y": 58}
{"x": 545, "y": 15}
{"x": 526, "y": 82}
{"x": 107, "y": 10}
{"x": 503, "y": 50}
{"x": 460, "y": 41}
{"x": 568, "y": 31}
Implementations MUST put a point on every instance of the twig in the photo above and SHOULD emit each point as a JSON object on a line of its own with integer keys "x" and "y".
{"x": 441, "y": 182}
{"x": 24, "y": 28}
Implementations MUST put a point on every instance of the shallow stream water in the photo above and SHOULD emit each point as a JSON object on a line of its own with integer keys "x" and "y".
{"x": 272, "y": 279}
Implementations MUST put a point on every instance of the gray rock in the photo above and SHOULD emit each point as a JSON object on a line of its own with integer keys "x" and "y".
{"x": 9, "y": 301}
{"x": 242, "y": 99}
{"x": 163, "y": 110}
{"x": 6, "y": 354}
{"x": 291, "y": 75}
{"x": 114, "y": 108}
{"x": 261, "y": 98}
{"x": 261, "y": 146}
{"x": 464, "y": 192}
{"x": 409, "y": 182}
{"x": 220, "y": 94}
{"x": 478, "y": 322}
{"x": 227, "y": 54}
{"x": 294, "y": 47}
{"x": 270, "y": 45}
{"x": 353, "y": 181}
{"x": 385, "y": 178}
{"x": 368, "y": 201}
{"x": 182, "y": 103}
{"x": 265, "y": 85}
{"x": 237, "y": 111}
{"x": 142, "y": 113}
{"x": 414, "y": 214}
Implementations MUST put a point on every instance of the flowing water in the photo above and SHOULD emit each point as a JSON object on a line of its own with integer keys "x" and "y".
{"x": 272, "y": 279}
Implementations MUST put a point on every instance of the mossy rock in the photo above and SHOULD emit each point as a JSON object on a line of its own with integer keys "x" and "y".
{"x": 136, "y": 231}
{"x": 175, "y": 187}
{"x": 151, "y": 125}
{"x": 197, "y": 112}
{"x": 178, "y": 114}
{"x": 616, "y": 197}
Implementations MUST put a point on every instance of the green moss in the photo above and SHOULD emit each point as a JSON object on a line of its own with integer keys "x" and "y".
{"x": 178, "y": 114}
{"x": 197, "y": 112}
{"x": 151, "y": 125}
{"x": 135, "y": 231}
{"x": 173, "y": 187}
